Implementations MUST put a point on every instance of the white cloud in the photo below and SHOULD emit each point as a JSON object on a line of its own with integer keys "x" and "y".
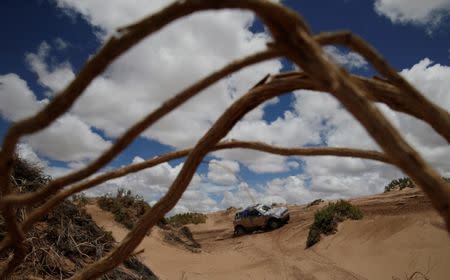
{"x": 17, "y": 101}
{"x": 329, "y": 177}
{"x": 352, "y": 177}
{"x": 55, "y": 78}
{"x": 182, "y": 53}
{"x": 153, "y": 183}
{"x": 429, "y": 13}
{"x": 208, "y": 41}
{"x": 350, "y": 60}
{"x": 60, "y": 44}
{"x": 187, "y": 50}
{"x": 25, "y": 152}
{"x": 223, "y": 172}
{"x": 67, "y": 139}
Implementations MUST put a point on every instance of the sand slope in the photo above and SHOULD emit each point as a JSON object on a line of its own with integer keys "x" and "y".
{"x": 400, "y": 234}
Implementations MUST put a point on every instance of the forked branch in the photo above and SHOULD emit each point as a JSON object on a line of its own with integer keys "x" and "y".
{"x": 292, "y": 39}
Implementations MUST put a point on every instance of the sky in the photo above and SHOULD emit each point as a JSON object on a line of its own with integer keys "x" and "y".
{"x": 46, "y": 42}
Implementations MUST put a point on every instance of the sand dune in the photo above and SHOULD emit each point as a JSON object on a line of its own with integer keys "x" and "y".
{"x": 400, "y": 234}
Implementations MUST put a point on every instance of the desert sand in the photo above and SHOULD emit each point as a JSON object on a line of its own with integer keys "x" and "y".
{"x": 400, "y": 234}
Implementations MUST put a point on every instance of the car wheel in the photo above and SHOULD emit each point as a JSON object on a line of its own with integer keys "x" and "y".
{"x": 273, "y": 224}
{"x": 239, "y": 230}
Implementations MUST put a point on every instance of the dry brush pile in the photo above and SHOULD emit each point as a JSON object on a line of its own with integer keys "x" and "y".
{"x": 64, "y": 240}
{"x": 128, "y": 208}
{"x": 292, "y": 39}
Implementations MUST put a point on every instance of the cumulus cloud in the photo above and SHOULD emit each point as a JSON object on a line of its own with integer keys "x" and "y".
{"x": 27, "y": 153}
{"x": 55, "y": 78}
{"x": 187, "y": 50}
{"x": 334, "y": 177}
{"x": 184, "y": 52}
{"x": 430, "y": 13}
{"x": 351, "y": 177}
{"x": 351, "y": 60}
{"x": 153, "y": 183}
{"x": 17, "y": 101}
{"x": 223, "y": 172}
{"x": 67, "y": 139}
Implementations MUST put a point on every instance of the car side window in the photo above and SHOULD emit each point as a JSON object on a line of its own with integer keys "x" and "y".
{"x": 255, "y": 213}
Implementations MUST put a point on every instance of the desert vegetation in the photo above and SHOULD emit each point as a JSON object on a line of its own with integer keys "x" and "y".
{"x": 187, "y": 218}
{"x": 292, "y": 39}
{"x": 126, "y": 207}
{"x": 64, "y": 240}
{"x": 400, "y": 184}
{"x": 314, "y": 202}
{"x": 326, "y": 219}
{"x": 404, "y": 182}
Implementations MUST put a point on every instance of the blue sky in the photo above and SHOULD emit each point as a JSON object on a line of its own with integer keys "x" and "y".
{"x": 47, "y": 41}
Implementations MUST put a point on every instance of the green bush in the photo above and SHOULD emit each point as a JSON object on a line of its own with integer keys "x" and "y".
{"x": 405, "y": 182}
{"x": 187, "y": 218}
{"x": 80, "y": 199}
{"x": 126, "y": 207}
{"x": 401, "y": 183}
{"x": 327, "y": 219}
{"x": 315, "y": 202}
{"x": 124, "y": 217}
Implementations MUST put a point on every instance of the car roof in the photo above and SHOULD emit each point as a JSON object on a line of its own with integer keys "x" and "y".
{"x": 256, "y": 206}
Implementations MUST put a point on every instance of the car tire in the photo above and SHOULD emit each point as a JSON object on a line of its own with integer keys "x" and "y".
{"x": 239, "y": 230}
{"x": 273, "y": 224}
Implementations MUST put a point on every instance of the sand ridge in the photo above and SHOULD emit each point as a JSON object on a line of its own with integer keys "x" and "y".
{"x": 400, "y": 234}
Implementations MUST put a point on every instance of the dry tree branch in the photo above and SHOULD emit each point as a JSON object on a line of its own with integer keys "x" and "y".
{"x": 303, "y": 50}
{"x": 292, "y": 39}
{"x": 438, "y": 118}
{"x": 115, "y": 47}
{"x": 221, "y": 127}
{"x": 382, "y": 92}
{"x": 306, "y": 53}
{"x": 135, "y": 130}
{"x": 42, "y": 210}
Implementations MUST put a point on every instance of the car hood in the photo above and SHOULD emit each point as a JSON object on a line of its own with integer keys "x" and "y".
{"x": 278, "y": 211}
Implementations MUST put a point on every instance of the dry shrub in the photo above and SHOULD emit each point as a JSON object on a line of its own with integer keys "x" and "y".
{"x": 327, "y": 219}
{"x": 126, "y": 207}
{"x": 315, "y": 202}
{"x": 181, "y": 236}
{"x": 65, "y": 240}
{"x": 187, "y": 218}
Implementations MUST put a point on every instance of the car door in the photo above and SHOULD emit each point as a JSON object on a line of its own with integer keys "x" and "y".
{"x": 245, "y": 219}
{"x": 256, "y": 218}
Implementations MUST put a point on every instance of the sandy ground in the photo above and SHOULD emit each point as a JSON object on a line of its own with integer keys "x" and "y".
{"x": 399, "y": 235}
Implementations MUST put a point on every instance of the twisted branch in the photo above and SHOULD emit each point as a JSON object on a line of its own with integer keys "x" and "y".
{"x": 123, "y": 141}
{"x": 292, "y": 39}
{"x": 438, "y": 118}
{"x": 221, "y": 127}
{"x": 42, "y": 210}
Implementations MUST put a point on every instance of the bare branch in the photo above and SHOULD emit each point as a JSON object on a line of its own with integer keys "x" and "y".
{"x": 220, "y": 128}
{"x": 438, "y": 118}
{"x": 135, "y": 130}
{"x": 303, "y": 50}
{"x": 381, "y": 91}
{"x": 292, "y": 39}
